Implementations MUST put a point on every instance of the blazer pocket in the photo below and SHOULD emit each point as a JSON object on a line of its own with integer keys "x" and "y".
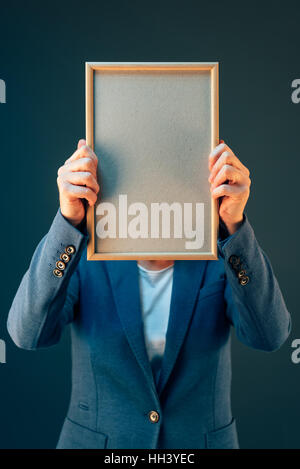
{"x": 223, "y": 438}
{"x": 75, "y": 436}
{"x": 211, "y": 289}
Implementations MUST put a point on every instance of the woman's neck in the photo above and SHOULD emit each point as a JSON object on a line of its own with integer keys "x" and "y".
{"x": 155, "y": 265}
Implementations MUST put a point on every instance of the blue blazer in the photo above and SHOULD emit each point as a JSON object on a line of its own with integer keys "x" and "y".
{"x": 114, "y": 393}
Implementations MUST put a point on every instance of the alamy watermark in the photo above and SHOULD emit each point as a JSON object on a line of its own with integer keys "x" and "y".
{"x": 295, "y": 96}
{"x": 2, "y": 351}
{"x": 295, "y": 356}
{"x": 161, "y": 220}
{"x": 2, "y": 92}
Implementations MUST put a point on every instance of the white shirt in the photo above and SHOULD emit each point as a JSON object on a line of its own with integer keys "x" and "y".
{"x": 155, "y": 293}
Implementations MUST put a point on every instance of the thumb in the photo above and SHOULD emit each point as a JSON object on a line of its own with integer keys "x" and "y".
{"x": 81, "y": 143}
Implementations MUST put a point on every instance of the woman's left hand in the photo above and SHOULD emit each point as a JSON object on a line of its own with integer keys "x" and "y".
{"x": 230, "y": 180}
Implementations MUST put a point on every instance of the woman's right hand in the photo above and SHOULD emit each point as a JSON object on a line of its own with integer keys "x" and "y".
{"x": 77, "y": 180}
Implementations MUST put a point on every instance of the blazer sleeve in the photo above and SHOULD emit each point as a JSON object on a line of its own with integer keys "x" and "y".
{"x": 45, "y": 303}
{"x": 254, "y": 302}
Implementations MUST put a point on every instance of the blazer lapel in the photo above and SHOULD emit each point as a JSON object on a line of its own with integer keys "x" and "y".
{"x": 187, "y": 280}
{"x": 125, "y": 287}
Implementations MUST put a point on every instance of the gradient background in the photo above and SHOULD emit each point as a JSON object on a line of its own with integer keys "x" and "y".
{"x": 43, "y": 47}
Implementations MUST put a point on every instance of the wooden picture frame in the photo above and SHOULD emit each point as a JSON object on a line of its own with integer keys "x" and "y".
{"x": 155, "y": 123}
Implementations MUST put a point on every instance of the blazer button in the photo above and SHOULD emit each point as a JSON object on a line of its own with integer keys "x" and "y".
{"x": 244, "y": 280}
{"x": 65, "y": 257}
{"x": 60, "y": 265}
{"x": 70, "y": 250}
{"x": 234, "y": 260}
{"x": 241, "y": 273}
{"x": 58, "y": 273}
{"x": 153, "y": 416}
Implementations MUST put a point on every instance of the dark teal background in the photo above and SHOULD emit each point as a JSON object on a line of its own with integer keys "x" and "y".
{"x": 43, "y": 47}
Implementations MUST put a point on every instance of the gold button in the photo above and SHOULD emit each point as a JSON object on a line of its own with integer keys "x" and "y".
{"x": 153, "y": 416}
{"x": 244, "y": 280}
{"x": 60, "y": 265}
{"x": 65, "y": 257}
{"x": 234, "y": 260}
{"x": 241, "y": 273}
{"x": 70, "y": 249}
{"x": 58, "y": 273}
